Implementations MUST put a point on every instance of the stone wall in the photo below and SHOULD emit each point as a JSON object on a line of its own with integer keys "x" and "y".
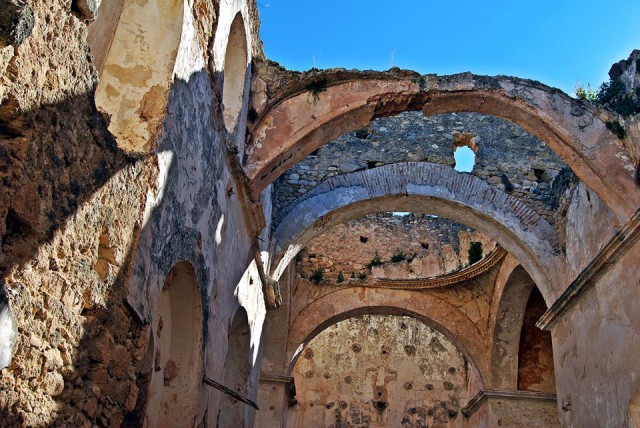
{"x": 379, "y": 371}
{"x": 527, "y": 172}
{"x": 362, "y": 249}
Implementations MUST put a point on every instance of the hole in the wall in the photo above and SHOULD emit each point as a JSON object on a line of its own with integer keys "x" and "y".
{"x": 424, "y": 245}
{"x": 363, "y": 133}
{"x": 465, "y": 159}
{"x": 465, "y": 148}
{"x": 364, "y": 239}
{"x": 235, "y": 67}
{"x": 381, "y": 405}
{"x": 134, "y": 88}
{"x": 539, "y": 173}
{"x": 372, "y": 164}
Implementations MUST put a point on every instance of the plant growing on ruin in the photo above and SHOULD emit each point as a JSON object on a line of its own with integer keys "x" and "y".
{"x": 316, "y": 276}
{"x": 340, "y": 277}
{"x": 585, "y": 92}
{"x": 375, "y": 261}
{"x": 362, "y": 276}
{"x": 475, "y": 252}
{"x": 398, "y": 256}
{"x": 316, "y": 87}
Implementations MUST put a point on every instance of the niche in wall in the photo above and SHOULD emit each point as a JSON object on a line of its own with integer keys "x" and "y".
{"x": 235, "y": 67}
{"x": 177, "y": 361}
{"x": 237, "y": 369}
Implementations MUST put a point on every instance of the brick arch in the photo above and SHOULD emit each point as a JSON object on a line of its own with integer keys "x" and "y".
{"x": 297, "y": 125}
{"x": 346, "y": 303}
{"x": 429, "y": 189}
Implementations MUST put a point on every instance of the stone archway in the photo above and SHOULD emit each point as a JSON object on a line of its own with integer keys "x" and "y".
{"x": 298, "y": 123}
{"x": 423, "y": 188}
{"x": 536, "y": 370}
{"x": 348, "y": 302}
{"x": 177, "y": 356}
{"x": 134, "y": 84}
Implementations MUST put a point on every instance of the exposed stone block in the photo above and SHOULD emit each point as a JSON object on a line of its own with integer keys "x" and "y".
{"x": 16, "y": 22}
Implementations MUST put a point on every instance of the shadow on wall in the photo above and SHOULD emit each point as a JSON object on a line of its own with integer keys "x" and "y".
{"x": 85, "y": 351}
{"x": 55, "y": 159}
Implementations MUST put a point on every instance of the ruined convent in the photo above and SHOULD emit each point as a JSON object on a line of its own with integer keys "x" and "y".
{"x": 194, "y": 236}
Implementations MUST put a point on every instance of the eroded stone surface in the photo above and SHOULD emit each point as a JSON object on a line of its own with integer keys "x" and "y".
{"x": 390, "y": 246}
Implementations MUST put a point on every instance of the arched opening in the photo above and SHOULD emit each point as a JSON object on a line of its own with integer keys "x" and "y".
{"x": 237, "y": 369}
{"x": 380, "y": 369}
{"x": 137, "y": 72}
{"x": 507, "y": 328}
{"x": 535, "y": 354}
{"x": 177, "y": 360}
{"x": 634, "y": 409}
{"x": 235, "y": 67}
{"x": 421, "y": 188}
{"x": 354, "y": 102}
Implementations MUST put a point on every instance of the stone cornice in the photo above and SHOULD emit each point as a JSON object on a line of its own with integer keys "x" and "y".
{"x": 599, "y": 266}
{"x": 486, "y": 394}
{"x": 466, "y": 274}
{"x": 275, "y": 378}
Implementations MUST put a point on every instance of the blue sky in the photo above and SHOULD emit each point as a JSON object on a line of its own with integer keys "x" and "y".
{"x": 556, "y": 42}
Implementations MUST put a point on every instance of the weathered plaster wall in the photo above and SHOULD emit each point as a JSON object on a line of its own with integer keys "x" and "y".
{"x": 379, "y": 371}
{"x": 515, "y": 413}
{"x": 436, "y": 246}
{"x": 595, "y": 346}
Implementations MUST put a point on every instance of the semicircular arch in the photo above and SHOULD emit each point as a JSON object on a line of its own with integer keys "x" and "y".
{"x": 429, "y": 189}
{"x": 297, "y": 125}
{"x": 349, "y": 302}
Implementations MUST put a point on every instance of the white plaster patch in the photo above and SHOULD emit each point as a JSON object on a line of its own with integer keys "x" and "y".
{"x": 165, "y": 159}
{"x": 219, "y": 230}
{"x": 7, "y": 335}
